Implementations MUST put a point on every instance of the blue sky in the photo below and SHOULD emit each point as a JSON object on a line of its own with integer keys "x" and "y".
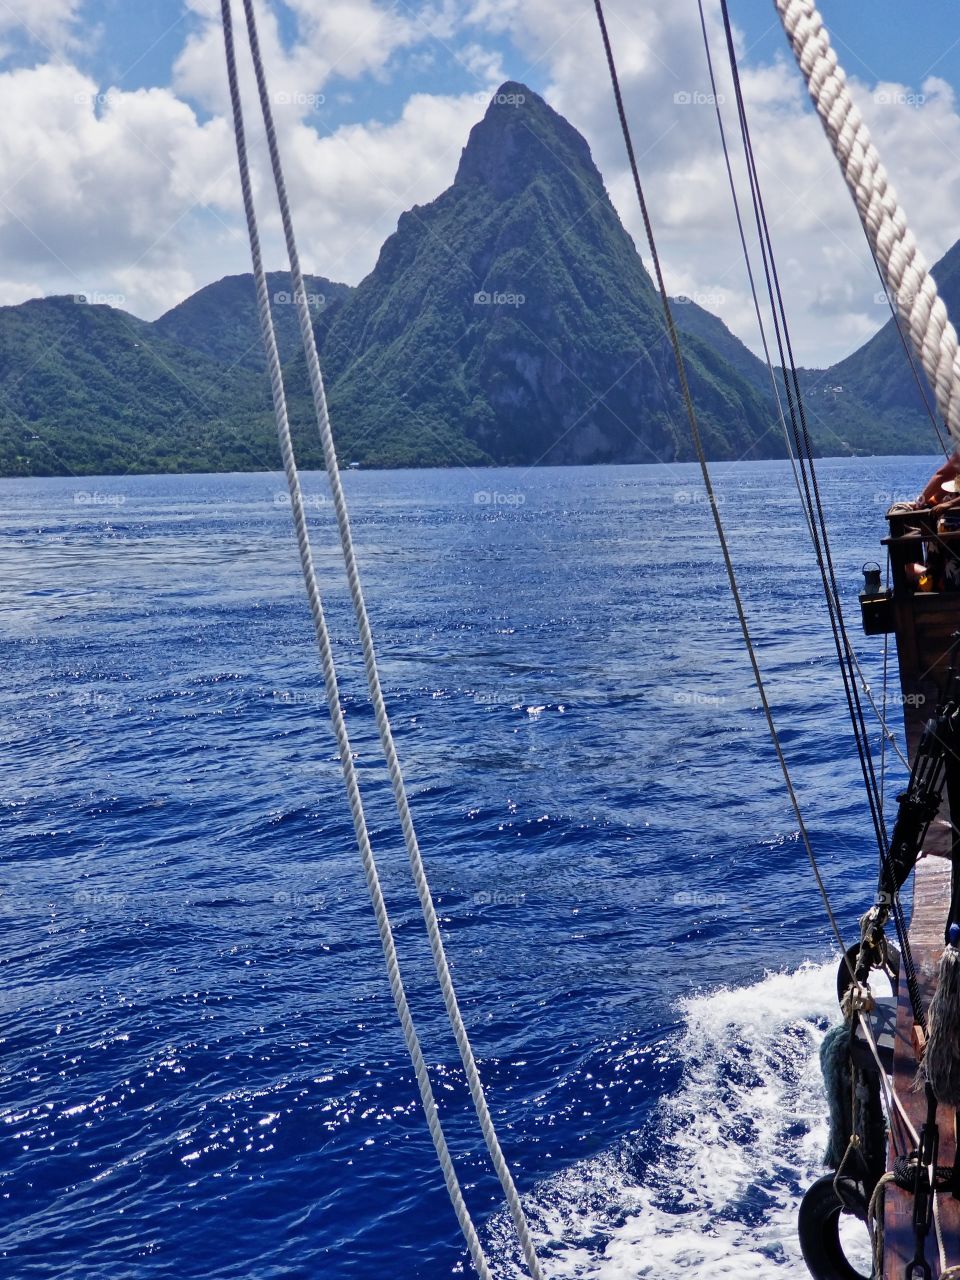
{"x": 150, "y": 185}
{"x": 879, "y": 40}
{"x": 135, "y": 45}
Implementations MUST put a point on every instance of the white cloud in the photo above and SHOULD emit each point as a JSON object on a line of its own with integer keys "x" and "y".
{"x": 485, "y": 64}
{"x": 95, "y": 182}
{"x": 106, "y": 191}
{"x": 137, "y": 192}
{"x": 134, "y": 193}
{"x": 346, "y": 38}
{"x": 824, "y": 262}
{"x": 46, "y": 22}
{"x": 352, "y": 186}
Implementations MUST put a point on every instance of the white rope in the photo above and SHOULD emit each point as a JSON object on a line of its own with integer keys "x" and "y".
{"x": 938, "y": 1228}
{"x": 330, "y": 676}
{"x": 373, "y": 678}
{"x": 876, "y": 1229}
{"x": 889, "y": 1093}
{"x": 904, "y": 268}
{"x": 888, "y": 734}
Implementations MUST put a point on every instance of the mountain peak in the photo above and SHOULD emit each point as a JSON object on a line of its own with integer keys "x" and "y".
{"x": 520, "y": 138}
{"x": 512, "y": 93}
{"x": 511, "y": 321}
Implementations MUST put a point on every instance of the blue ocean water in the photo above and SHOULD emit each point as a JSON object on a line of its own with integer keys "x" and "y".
{"x": 201, "y": 1069}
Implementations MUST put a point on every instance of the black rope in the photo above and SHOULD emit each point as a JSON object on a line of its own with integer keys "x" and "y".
{"x": 731, "y": 182}
{"x": 816, "y": 518}
{"x": 905, "y": 1170}
{"x": 708, "y": 481}
{"x": 804, "y": 447}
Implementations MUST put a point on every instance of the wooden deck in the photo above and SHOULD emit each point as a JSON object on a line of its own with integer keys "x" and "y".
{"x": 931, "y": 894}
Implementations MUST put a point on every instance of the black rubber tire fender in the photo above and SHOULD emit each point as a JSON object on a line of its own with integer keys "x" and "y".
{"x": 818, "y": 1225}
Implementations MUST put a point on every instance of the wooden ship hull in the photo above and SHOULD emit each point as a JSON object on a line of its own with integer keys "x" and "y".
{"x": 924, "y": 621}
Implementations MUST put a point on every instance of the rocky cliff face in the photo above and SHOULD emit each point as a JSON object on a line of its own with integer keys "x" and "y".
{"x": 512, "y": 320}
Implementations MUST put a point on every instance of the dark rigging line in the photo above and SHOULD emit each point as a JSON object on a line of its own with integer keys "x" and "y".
{"x": 749, "y": 268}
{"x": 804, "y": 448}
{"x": 807, "y": 466}
{"x": 705, "y": 472}
{"x": 743, "y": 245}
{"x": 814, "y": 508}
{"x": 750, "y": 275}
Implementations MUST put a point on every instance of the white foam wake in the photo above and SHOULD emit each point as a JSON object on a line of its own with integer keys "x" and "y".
{"x": 715, "y": 1181}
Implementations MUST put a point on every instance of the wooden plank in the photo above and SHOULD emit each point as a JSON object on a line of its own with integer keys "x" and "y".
{"x": 931, "y": 895}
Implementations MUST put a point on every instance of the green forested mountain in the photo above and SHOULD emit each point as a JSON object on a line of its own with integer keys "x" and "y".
{"x": 698, "y": 322}
{"x": 511, "y": 320}
{"x": 221, "y": 319}
{"x": 89, "y": 389}
{"x": 878, "y": 376}
{"x": 867, "y": 403}
{"x": 844, "y": 416}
